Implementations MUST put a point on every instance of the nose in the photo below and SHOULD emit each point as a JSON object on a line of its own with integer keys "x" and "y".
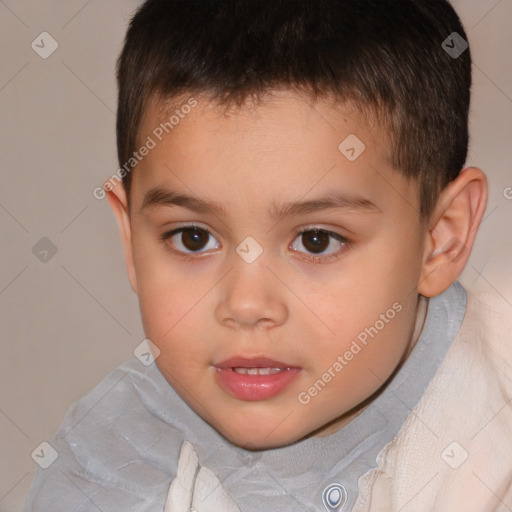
{"x": 251, "y": 297}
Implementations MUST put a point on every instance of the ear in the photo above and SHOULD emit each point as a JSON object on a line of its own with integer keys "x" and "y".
{"x": 118, "y": 200}
{"x": 452, "y": 231}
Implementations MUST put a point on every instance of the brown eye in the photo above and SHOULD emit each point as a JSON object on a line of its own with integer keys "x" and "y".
{"x": 194, "y": 239}
{"x": 189, "y": 239}
{"x": 318, "y": 242}
{"x": 315, "y": 241}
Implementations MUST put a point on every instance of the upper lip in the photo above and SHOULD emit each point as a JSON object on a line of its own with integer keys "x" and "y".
{"x": 256, "y": 362}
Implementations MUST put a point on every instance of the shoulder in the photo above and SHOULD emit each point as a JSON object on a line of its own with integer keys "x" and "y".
{"x": 487, "y": 331}
{"x": 112, "y": 447}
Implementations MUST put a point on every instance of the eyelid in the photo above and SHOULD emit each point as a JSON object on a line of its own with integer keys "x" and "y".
{"x": 317, "y": 227}
{"x": 187, "y": 225}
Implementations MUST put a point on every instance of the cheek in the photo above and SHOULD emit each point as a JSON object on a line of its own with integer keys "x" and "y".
{"x": 171, "y": 304}
{"x": 170, "y": 316}
{"x": 368, "y": 291}
{"x": 164, "y": 294}
{"x": 371, "y": 310}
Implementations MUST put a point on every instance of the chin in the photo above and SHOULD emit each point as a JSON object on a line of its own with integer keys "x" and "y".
{"x": 256, "y": 443}
{"x": 252, "y": 438}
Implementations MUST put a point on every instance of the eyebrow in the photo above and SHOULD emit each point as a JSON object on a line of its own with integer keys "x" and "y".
{"x": 159, "y": 196}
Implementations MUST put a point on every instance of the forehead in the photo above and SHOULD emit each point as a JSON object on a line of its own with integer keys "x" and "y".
{"x": 282, "y": 113}
{"x": 286, "y": 145}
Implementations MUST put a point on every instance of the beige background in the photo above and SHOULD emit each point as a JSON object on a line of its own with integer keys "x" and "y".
{"x": 67, "y": 322}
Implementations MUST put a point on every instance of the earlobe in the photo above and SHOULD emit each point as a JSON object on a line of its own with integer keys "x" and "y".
{"x": 118, "y": 201}
{"x": 452, "y": 231}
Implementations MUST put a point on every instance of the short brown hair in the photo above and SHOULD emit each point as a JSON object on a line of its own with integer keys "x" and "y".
{"x": 388, "y": 56}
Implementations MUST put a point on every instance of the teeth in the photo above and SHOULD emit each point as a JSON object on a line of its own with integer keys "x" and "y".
{"x": 257, "y": 371}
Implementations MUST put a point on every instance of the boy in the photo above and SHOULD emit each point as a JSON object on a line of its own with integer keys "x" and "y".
{"x": 295, "y": 215}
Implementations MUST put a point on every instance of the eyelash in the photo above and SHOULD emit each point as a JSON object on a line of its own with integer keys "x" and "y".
{"x": 313, "y": 258}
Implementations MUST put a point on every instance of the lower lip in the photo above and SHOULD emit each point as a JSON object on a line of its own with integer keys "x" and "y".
{"x": 254, "y": 387}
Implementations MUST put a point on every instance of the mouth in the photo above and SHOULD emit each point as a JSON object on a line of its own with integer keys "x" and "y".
{"x": 258, "y": 371}
{"x": 254, "y": 379}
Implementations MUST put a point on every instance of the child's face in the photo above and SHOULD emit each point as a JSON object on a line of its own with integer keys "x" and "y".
{"x": 308, "y": 316}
